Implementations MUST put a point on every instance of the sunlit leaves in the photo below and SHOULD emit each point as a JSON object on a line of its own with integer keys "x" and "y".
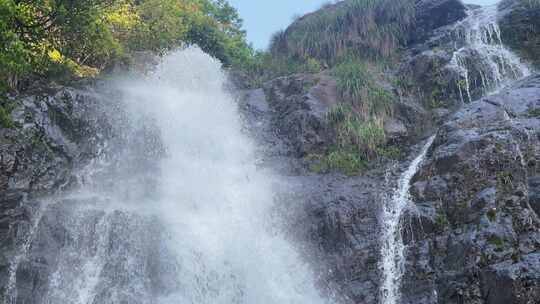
{"x": 47, "y": 38}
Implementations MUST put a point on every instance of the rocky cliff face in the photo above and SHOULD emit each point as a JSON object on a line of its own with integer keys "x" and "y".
{"x": 473, "y": 234}
{"x": 57, "y": 132}
{"x": 476, "y": 231}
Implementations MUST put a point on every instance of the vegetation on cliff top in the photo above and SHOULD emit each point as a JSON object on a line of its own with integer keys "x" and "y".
{"x": 357, "y": 39}
{"x": 57, "y": 39}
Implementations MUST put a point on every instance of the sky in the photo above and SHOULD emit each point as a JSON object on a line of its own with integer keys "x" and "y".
{"x": 262, "y": 18}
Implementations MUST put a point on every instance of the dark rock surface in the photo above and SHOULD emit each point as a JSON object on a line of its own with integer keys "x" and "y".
{"x": 57, "y": 133}
{"x": 435, "y": 14}
{"x": 474, "y": 194}
{"x": 520, "y": 27}
{"x": 301, "y": 103}
{"x": 473, "y": 236}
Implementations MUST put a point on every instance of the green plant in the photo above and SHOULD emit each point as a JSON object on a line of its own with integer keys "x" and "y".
{"x": 312, "y": 65}
{"x": 358, "y": 85}
{"x": 65, "y": 39}
{"x": 348, "y": 162}
{"x": 374, "y": 28}
{"x": 5, "y": 120}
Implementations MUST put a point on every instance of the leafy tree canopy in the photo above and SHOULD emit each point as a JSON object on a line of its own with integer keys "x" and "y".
{"x": 80, "y": 38}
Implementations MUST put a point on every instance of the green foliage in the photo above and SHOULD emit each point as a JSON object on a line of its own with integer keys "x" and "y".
{"x": 5, "y": 120}
{"x": 358, "y": 121}
{"x": 347, "y": 162}
{"x": 263, "y": 66}
{"x": 353, "y": 131}
{"x": 62, "y": 39}
{"x": 358, "y": 86}
{"x": 373, "y": 28}
{"x": 5, "y": 110}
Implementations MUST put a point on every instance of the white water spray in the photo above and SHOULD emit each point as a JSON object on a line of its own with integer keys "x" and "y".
{"x": 483, "y": 53}
{"x": 204, "y": 235}
{"x": 392, "y": 246}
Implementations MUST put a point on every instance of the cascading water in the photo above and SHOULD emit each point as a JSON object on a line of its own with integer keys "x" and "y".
{"x": 392, "y": 246}
{"x": 195, "y": 228}
{"x": 482, "y": 61}
{"x": 481, "y": 55}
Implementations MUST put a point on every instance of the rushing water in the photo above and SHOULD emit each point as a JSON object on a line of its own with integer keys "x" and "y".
{"x": 193, "y": 228}
{"x": 392, "y": 246}
{"x": 481, "y": 59}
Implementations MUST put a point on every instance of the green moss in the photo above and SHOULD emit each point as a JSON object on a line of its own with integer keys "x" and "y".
{"x": 390, "y": 152}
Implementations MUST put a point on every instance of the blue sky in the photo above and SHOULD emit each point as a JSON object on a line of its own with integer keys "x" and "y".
{"x": 262, "y": 18}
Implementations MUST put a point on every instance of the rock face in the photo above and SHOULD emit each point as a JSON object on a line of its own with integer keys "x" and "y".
{"x": 435, "y": 14}
{"x": 472, "y": 237}
{"x": 478, "y": 238}
{"x": 57, "y": 132}
{"x": 520, "y": 27}
{"x": 301, "y": 103}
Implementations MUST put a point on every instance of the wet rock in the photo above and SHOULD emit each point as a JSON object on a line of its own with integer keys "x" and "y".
{"x": 301, "y": 111}
{"x": 513, "y": 281}
{"x": 534, "y": 193}
{"x": 57, "y": 131}
{"x": 520, "y": 27}
{"x": 434, "y": 14}
{"x": 475, "y": 182}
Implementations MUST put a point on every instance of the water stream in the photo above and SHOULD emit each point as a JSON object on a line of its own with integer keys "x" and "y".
{"x": 481, "y": 59}
{"x": 392, "y": 246}
{"x": 192, "y": 226}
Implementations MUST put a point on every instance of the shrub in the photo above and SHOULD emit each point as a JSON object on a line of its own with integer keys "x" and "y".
{"x": 373, "y": 28}
{"x": 85, "y": 37}
{"x": 354, "y": 132}
{"x": 347, "y": 162}
{"x": 357, "y": 85}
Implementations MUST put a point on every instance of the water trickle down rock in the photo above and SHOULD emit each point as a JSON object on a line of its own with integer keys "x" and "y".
{"x": 480, "y": 58}
{"x": 393, "y": 248}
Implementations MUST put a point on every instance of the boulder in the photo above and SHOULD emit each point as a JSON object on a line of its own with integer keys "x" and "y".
{"x": 300, "y": 103}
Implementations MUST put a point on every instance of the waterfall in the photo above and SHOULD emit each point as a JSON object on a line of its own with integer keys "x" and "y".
{"x": 191, "y": 226}
{"x": 392, "y": 246}
{"x": 481, "y": 59}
